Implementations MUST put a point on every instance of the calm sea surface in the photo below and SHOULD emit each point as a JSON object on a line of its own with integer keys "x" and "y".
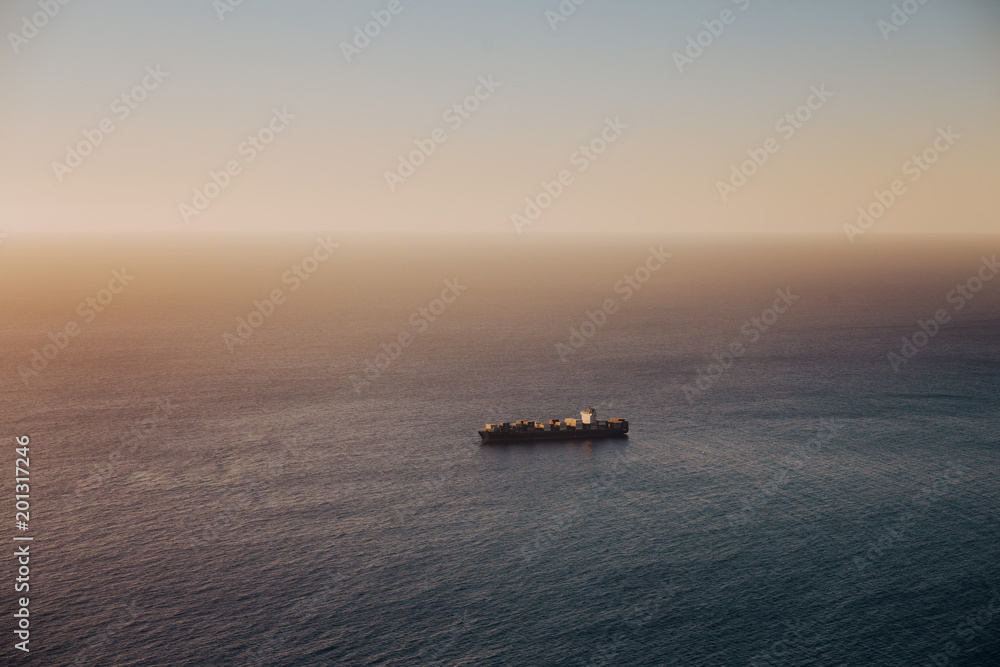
{"x": 202, "y": 501}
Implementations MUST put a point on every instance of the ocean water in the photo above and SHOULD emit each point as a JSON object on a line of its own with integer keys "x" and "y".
{"x": 200, "y": 501}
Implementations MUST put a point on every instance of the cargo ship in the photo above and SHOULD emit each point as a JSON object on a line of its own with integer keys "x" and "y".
{"x": 587, "y": 426}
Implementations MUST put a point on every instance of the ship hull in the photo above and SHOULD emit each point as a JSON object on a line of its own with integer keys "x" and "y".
{"x": 491, "y": 437}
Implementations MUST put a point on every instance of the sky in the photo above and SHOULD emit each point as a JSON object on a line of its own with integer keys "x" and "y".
{"x": 670, "y": 125}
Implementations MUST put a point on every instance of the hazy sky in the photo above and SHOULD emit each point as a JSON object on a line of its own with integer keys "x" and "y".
{"x": 677, "y": 131}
